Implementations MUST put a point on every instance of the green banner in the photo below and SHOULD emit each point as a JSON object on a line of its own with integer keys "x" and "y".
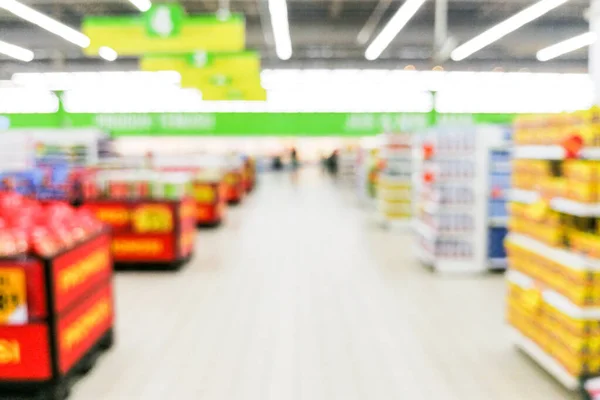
{"x": 246, "y": 124}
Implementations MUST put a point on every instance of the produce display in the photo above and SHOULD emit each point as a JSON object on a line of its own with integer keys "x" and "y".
{"x": 554, "y": 261}
{"x": 56, "y": 305}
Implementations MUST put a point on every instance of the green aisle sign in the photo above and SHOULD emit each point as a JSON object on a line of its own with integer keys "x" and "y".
{"x": 245, "y": 124}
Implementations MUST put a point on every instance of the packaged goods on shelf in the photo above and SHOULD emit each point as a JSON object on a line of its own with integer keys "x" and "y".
{"x": 55, "y": 275}
{"x": 394, "y": 178}
{"x": 499, "y": 185}
{"x": 553, "y": 255}
{"x": 452, "y": 214}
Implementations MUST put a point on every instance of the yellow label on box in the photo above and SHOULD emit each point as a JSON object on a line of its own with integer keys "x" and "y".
{"x": 204, "y": 194}
{"x": 153, "y": 219}
{"x": 13, "y": 293}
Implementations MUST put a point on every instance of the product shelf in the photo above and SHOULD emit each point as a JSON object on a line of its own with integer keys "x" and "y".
{"x": 551, "y": 152}
{"x": 394, "y": 184}
{"x": 449, "y": 174}
{"x": 559, "y": 204}
{"x": 544, "y": 360}
{"x": 498, "y": 222}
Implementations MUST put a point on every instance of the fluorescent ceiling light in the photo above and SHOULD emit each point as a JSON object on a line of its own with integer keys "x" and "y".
{"x": 504, "y": 28}
{"x": 107, "y": 53}
{"x": 142, "y": 5}
{"x": 566, "y": 46}
{"x": 45, "y": 22}
{"x": 16, "y": 52}
{"x": 281, "y": 28}
{"x": 393, "y": 27}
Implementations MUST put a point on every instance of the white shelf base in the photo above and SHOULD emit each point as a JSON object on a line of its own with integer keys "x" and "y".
{"x": 549, "y": 364}
{"x": 559, "y": 204}
{"x": 551, "y": 152}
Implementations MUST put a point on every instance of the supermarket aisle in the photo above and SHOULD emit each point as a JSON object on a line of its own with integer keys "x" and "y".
{"x": 299, "y": 297}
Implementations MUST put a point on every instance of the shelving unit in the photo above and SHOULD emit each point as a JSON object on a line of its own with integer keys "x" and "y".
{"x": 394, "y": 185}
{"x": 554, "y": 268}
{"x": 499, "y": 183}
{"x": 451, "y": 171}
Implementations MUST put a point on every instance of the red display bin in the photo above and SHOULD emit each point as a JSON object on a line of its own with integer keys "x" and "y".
{"x": 211, "y": 202}
{"x": 69, "y": 322}
{"x": 234, "y": 186}
{"x": 149, "y": 234}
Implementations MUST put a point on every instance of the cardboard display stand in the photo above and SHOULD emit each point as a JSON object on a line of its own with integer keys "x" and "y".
{"x": 148, "y": 234}
{"x": 67, "y": 305}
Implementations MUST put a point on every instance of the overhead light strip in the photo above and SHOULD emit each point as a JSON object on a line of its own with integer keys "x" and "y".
{"x": 567, "y": 46}
{"x": 107, "y": 53}
{"x": 281, "y": 28}
{"x": 45, "y": 22}
{"x": 393, "y": 27}
{"x": 504, "y": 28}
{"x": 16, "y": 52}
{"x": 142, "y": 5}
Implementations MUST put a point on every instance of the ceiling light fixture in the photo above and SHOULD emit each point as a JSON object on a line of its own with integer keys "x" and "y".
{"x": 393, "y": 27}
{"x": 504, "y": 28}
{"x": 16, "y": 52}
{"x": 142, "y": 5}
{"x": 567, "y": 46}
{"x": 107, "y": 53}
{"x": 281, "y": 28}
{"x": 45, "y": 22}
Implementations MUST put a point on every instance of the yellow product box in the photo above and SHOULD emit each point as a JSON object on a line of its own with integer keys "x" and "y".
{"x": 584, "y": 192}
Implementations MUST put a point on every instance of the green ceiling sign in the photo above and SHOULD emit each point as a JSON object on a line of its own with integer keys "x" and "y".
{"x": 246, "y": 124}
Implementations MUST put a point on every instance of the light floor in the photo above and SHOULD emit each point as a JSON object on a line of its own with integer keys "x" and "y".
{"x": 301, "y": 297}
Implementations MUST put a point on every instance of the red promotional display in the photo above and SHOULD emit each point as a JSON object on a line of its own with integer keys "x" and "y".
{"x": 148, "y": 233}
{"x": 234, "y": 186}
{"x": 68, "y": 319}
{"x": 211, "y": 202}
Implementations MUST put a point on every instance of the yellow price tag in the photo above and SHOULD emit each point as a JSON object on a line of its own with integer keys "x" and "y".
{"x": 152, "y": 219}
{"x": 13, "y": 296}
{"x": 538, "y": 210}
{"x": 204, "y": 194}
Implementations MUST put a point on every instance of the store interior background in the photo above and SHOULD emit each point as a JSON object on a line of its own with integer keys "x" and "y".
{"x": 315, "y": 85}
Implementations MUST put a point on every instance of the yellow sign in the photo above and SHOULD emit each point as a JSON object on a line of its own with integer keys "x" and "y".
{"x": 204, "y": 194}
{"x": 113, "y": 216}
{"x": 152, "y": 219}
{"x": 219, "y": 76}
{"x": 142, "y": 246}
{"x": 79, "y": 272}
{"x": 13, "y": 293}
{"x": 82, "y": 326}
{"x": 10, "y": 352}
{"x": 129, "y": 36}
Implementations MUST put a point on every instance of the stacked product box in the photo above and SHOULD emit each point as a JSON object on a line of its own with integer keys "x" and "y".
{"x": 394, "y": 183}
{"x": 56, "y": 303}
{"x": 554, "y": 277}
{"x": 152, "y": 214}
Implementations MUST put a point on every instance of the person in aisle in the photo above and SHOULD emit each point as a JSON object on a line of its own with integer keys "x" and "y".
{"x": 294, "y": 164}
{"x": 332, "y": 163}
